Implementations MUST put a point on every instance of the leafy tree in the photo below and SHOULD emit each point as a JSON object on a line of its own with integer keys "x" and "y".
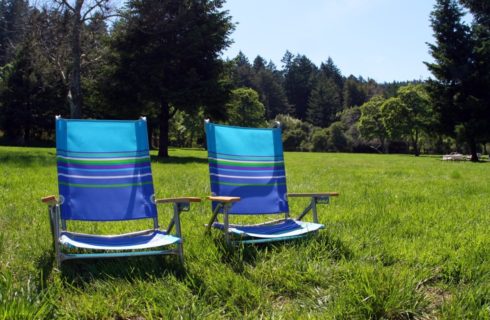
{"x": 77, "y": 14}
{"x": 408, "y": 114}
{"x": 295, "y": 133}
{"x": 459, "y": 91}
{"x": 320, "y": 139}
{"x": 167, "y": 53}
{"x": 371, "y": 123}
{"x": 245, "y": 109}
{"x": 337, "y": 140}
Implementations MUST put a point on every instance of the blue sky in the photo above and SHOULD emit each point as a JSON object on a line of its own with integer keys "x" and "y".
{"x": 381, "y": 39}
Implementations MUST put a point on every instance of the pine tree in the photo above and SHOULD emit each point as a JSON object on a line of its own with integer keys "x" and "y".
{"x": 167, "y": 52}
{"x": 324, "y": 103}
{"x": 460, "y": 89}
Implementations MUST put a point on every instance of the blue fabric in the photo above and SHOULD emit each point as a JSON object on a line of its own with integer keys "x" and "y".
{"x": 268, "y": 229}
{"x": 111, "y": 136}
{"x": 104, "y": 170}
{"x": 247, "y": 163}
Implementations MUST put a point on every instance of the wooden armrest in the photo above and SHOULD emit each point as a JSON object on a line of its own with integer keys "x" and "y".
{"x": 315, "y": 194}
{"x": 178, "y": 200}
{"x": 224, "y": 199}
{"x": 49, "y": 200}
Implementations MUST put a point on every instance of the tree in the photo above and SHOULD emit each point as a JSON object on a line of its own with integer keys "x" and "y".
{"x": 408, "y": 114}
{"x": 167, "y": 53}
{"x": 324, "y": 103}
{"x": 371, "y": 123}
{"x": 245, "y": 109}
{"x": 14, "y": 15}
{"x": 459, "y": 91}
{"x": 353, "y": 93}
{"x": 79, "y": 13}
{"x": 298, "y": 82}
{"x": 30, "y": 96}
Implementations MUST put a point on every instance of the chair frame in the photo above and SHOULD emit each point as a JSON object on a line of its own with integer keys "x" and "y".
{"x": 225, "y": 204}
{"x": 58, "y": 225}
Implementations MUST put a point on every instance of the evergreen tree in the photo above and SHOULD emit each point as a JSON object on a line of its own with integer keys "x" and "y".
{"x": 168, "y": 53}
{"x": 324, "y": 103}
{"x": 30, "y": 97}
{"x": 353, "y": 93}
{"x": 14, "y": 15}
{"x": 460, "y": 89}
{"x": 298, "y": 83}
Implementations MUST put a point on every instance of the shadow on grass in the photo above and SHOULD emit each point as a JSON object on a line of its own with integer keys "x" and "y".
{"x": 80, "y": 272}
{"x": 178, "y": 160}
{"x": 240, "y": 255}
{"x": 45, "y": 264}
{"x": 25, "y": 159}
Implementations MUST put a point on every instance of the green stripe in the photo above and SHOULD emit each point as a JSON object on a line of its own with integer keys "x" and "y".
{"x": 107, "y": 162}
{"x": 248, "y": 184}
{"x": 97, "y": 186}
{"x": 246, "y": 164}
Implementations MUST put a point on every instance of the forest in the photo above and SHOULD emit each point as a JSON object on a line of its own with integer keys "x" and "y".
{"x": 163, "y": 60}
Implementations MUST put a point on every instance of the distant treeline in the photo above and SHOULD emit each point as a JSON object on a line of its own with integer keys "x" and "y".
{"x": 162, "y": 60}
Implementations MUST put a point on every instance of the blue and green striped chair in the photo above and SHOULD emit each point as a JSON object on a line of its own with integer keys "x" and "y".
{"x": 248, "y": 177}
{"x": 104, "y": 174}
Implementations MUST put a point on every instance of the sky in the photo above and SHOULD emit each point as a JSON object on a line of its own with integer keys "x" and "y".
{"x": 384, "y": 40}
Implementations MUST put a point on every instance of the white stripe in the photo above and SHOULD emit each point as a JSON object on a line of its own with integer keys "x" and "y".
{"x": 102, "y": 159}
{"x": 241, "y": 177}
{"x": 246, "y": 161}
{"x": 104, "y": 177}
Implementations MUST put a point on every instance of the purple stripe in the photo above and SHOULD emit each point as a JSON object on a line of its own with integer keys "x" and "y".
{"x": 98, "y": 152}
{"x": 246, "y": 168}
{"x": 244, "y": 155}
{"x": 96, "y": 166}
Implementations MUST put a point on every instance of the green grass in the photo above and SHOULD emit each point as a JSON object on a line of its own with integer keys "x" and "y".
{"x": 408, "y": 238}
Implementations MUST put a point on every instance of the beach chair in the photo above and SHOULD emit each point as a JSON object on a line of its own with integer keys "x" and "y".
{"x": 104, "y": 174}
{"x": 247, "y": 173}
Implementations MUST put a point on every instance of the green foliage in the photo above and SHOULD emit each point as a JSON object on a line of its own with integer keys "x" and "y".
{"x": 409, "y": 114}
{"x": 324, "y": 103}
{"x": 371, "y": 123}
{"x": 299, "y": 73}
{"x": 295, "y": 133}
{"x": 461, "y": 69}
{"x": 167, "y": 53}
{"x": 30, "y": 98}
{"x": 245, "y": 109}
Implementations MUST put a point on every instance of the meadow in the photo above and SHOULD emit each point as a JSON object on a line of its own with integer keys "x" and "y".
{"x": 408, "y": 238}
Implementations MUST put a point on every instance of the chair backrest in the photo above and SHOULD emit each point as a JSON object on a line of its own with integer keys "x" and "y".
{"x": 104, "y": 170}
{"x": 247, "y": 163}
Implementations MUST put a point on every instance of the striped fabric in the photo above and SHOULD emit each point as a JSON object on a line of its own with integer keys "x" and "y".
{"x": 247, "y": 163}
{"x": 104, "y": 171}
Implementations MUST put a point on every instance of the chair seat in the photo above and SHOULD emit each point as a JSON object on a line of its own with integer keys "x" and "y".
{"x": 285, "y": 228}
{"x": 148, "y": 240}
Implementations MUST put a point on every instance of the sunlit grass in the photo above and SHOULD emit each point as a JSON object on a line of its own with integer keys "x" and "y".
{"x": 407, "y": 238}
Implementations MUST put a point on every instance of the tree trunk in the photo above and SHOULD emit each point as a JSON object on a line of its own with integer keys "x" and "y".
{"x": 75, "y": 83}
{"x": 472, "y": 144}
{"x": 164, "y": 126}
{"x": 415, "y": 144}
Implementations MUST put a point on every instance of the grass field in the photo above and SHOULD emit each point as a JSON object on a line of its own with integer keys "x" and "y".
{"x": 408, "y": 238}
